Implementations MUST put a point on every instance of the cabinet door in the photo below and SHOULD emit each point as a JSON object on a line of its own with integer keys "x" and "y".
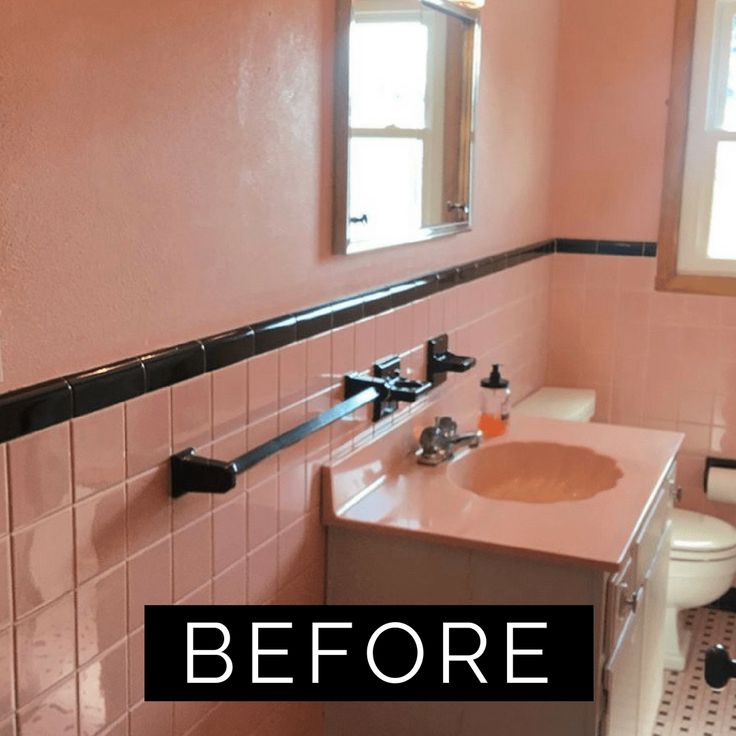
{"x": 622, "y": 680}
{"x": 652, "y": 653}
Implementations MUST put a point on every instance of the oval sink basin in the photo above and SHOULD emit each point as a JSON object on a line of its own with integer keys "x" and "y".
{"x": 535, "y": 472}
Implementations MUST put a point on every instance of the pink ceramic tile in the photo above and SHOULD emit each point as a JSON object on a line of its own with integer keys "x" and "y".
{"x": 315, "y": 462}
{"x": 191, "y": 413}
{"x": 194, "y": 506}
{"x": 55, "y": 712}
{"x": 258, "y": 433}
{"x": 43, "y": 561}
{"x": 697, "y": 437}
{"x": 135, "y": 666}
{"x": 5, "y": 583}
{"x": 228, "y": 447}
{"x": 188, "y": 714}
{"x": 7, "y": 727}
{"x": 299, "y": 545}
{"x": 365, "y": 344}
{"x": 98, "y": 450}
{"x": 3, "y": 490}
{"x": 229, "y": 399}
{"x": 292, "y": 374}
{"x": 102, "y": 691}
{"x": 45, "y": 651}
{"x": 385, "y": 334}
{"x": 306, "y": 589}
{"x": 148, "y": 509}
{"x": 201, "y": 596}
{"x": 101, "y": 605}
{"x": 149, "y": 581}
{"x": 262, "y": 512}
{"x": 263, "y": 572}
{"x": 422, "y": 327}
{"x": 404, "y": 328}
{"x": 151, "y": 719}
{"x": 437, "y": 313}
{"x": 229, "y": 530}
{"x": 343, "y": 352}
{"x": 100, "y": 532}
{"x": 39, "y": 469}
{"x": 118, "y": 729}
{"x": 315, "y": 406}
{"x": 695, "y": 406}
{"x": 263, "y": 386}
{"x": 636, "y": 274}
{"x": 148, "y": 431}
{"x": 6, "y": 672}
{"x": 192, "y": 557}
{"x": 292, "y": 486}
{"x": 229, "y": 587}
{"x": 319, "y": 363}
{"x": 724, "y": 410}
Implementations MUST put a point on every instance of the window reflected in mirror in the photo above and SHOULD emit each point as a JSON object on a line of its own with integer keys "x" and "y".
{"x": 404, "y": 149}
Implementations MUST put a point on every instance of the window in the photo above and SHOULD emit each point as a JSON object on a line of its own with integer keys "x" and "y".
{"x": 698, "y": 229}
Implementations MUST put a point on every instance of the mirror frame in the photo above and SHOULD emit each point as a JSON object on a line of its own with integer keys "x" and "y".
{"x": 341, "y": 132}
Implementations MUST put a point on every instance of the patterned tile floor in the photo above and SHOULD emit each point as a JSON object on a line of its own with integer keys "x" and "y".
{"x": 689, "y": 707}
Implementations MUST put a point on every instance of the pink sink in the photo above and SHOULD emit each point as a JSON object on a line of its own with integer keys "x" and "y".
{"x": 535, "y": 472}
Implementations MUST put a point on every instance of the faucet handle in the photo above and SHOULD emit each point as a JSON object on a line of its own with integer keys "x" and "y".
{"x": 433, "y": 440}
{"x": 447, "y": 425}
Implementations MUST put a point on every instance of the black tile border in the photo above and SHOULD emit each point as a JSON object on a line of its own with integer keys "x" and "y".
{"x": 36, "y": 407}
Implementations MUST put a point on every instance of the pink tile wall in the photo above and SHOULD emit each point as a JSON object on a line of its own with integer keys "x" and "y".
{"x": 89, "y": 534}
{"x": 656, "y": 359}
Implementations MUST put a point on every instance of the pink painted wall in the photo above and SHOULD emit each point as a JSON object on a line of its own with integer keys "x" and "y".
{"x": 656, "y": 359}
{"x": 612, "y": 88}
{"x": 167, "y": 170}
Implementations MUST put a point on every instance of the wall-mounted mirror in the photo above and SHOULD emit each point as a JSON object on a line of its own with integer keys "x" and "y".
{"x": 405, "y": 101}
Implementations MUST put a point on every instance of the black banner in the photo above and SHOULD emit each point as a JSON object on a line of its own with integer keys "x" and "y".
{"x": 392, "y": 653}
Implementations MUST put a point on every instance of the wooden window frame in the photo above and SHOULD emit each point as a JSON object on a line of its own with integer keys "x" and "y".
{"x": 668, "y": 278}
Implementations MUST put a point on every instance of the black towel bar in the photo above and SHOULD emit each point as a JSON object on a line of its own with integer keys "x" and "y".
{"x": 192, "y": 473}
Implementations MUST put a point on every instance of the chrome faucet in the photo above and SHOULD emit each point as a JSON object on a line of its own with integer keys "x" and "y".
{"x": 438, "y": 442}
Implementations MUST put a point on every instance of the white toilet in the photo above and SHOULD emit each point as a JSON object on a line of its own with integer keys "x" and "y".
{"x": 702, "y": 568}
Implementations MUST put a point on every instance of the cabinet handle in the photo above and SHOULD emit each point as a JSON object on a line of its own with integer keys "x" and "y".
{"x": 629, "y": 601}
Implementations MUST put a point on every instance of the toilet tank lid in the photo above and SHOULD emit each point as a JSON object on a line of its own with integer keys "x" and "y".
{"x": 695, "y": 532}
{"x": 572, "y": 404}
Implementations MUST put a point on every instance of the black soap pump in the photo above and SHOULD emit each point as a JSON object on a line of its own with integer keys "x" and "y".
{"x": 495, "y": 404}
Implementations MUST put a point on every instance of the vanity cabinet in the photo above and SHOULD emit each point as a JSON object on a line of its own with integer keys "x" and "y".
{"x": 366, "y": 566}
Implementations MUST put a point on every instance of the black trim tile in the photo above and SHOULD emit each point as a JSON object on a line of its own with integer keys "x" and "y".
{"x": 228, "y": 348}
{"x": 275, "y": 333}
{"x": 36, "y": 407}
{"x": 618, "y": 248}
{"x": 468, "y": 271}
{"x": 167, "y": 367}
{"x": 40, "y": 406}
{"x": 106, "y": 386}
{"x": 311, "y": 322}
{"x": 448, "y": 278}
{"x": 425, "y": 286}
{"x": 376, "y": 302}
{"x": 403, "y": 293}
{"x": 570, "y": 245}
{"x": 346, "y": 311}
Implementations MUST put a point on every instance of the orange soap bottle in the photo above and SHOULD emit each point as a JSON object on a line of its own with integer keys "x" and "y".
{"x": 495, "y": 404}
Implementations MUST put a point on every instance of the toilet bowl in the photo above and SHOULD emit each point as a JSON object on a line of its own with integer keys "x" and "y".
{"x": 702, "y": 567}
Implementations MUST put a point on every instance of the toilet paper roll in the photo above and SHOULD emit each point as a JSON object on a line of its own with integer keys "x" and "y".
{"x": 721, "y": 485}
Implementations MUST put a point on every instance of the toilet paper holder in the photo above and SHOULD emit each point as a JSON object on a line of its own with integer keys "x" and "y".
{"x": 716, "y": 462}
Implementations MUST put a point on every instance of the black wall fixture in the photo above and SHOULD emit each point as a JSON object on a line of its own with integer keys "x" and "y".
{"x": 192, "y": 473}
{"x": 440, "y": 361}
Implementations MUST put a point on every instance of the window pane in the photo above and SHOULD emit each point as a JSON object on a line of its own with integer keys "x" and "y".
{"x": 729, "y": 118}
{"x": 722, "y": 242}
{"x": 388, "y": 74}
{"x": 392, "y": 204}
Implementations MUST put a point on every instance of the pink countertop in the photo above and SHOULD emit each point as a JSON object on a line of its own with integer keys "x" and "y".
{"x": 381, "y": 487}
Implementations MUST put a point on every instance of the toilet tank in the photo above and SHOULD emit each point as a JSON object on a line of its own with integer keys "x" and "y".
{"x": 570, "y": 404}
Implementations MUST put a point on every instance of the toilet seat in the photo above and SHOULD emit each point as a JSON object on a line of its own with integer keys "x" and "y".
{"x": 700, "y": 538}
